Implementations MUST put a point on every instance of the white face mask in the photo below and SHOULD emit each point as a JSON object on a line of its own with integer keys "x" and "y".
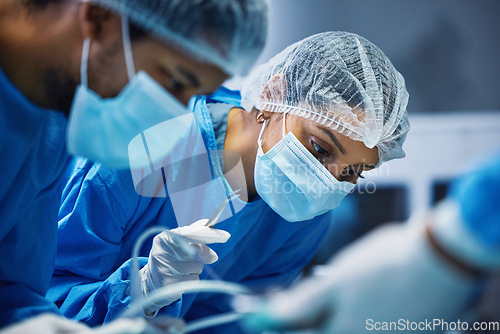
{"x": 101, "y": 129}
{"x": 293, "y": 182}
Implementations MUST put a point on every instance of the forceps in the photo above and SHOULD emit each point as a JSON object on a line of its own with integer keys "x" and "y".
{"x": 215, "y": 217}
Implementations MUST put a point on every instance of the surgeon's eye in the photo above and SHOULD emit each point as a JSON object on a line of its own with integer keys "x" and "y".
{"x": 177, "y": 86}
{"x": 320, "y": 150}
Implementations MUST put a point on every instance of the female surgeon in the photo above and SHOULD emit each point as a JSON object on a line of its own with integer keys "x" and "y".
{"x": 306, "y": 126}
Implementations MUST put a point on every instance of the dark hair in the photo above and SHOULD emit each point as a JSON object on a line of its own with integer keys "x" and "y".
{"x": 135, "y": 31}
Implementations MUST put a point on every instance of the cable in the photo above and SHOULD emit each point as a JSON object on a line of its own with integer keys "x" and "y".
{"x": 185, "y": 287}
{"x": 135, "y": 281}
{"x": 212, "y": 321}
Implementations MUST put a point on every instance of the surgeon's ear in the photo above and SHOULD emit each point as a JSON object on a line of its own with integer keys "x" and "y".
{"x": 275, "y": 89}
{"x": 94, "y": 19}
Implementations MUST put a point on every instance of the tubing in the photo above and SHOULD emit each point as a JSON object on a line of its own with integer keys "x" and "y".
{"x": 212, "y": 321}
{"x": 135, "y": 281}
{"x": 185, "y": 287}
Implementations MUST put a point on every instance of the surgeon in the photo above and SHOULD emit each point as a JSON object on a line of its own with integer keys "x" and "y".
{"x": 307, "y": 124}
{"x": 115, "y": 67}
{"x": 429, "y": 270}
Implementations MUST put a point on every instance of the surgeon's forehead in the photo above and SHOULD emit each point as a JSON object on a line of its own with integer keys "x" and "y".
{"x": 195, "y": 71}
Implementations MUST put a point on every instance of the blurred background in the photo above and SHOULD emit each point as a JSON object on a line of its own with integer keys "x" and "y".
{"x": 449, "y": 54}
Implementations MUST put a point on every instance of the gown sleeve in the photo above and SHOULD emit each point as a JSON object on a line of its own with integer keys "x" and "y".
{"x": 91, "y": 280}
{"x": 33, "y": 156}
{"x": 27, "y": 261}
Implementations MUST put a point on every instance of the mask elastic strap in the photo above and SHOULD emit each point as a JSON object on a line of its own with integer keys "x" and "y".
{"x": 284, "y": 126}
{"x": 259, "y": 140}
{"x": 85, "y": 61}
{"x": 127, "y": 48}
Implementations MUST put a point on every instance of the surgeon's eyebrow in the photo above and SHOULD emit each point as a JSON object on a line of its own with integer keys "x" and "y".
{"x": 334, "y": 139}
{"x": 190, "y": 77}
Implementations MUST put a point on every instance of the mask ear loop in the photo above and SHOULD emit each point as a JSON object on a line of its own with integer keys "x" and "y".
{"x": 284, "y": 126}
{"x": 127, "y": 48}
{"x": 259, "y": 140}
{"x": 85, "y": 61}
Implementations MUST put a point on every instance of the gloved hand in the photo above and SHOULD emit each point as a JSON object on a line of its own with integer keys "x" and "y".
{"x": 393, "y": 273}
{"x": 178, "y": 255}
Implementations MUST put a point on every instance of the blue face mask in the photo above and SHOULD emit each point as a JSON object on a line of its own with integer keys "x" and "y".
{"x": 293, "y": 182}
{"x": 101, "y": 129}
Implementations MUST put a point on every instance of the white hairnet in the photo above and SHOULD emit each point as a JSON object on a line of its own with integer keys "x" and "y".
{"x": 339, "y": 80}
{"x": 228, "y": 33}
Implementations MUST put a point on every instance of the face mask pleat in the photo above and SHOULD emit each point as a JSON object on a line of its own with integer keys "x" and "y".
{"x": 293, "y": 183}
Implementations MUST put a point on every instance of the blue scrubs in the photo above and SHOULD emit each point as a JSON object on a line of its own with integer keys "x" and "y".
{"x": 101, "y": 216}
{"x": 33, "y": 157}
{"x": 478, "y": 193}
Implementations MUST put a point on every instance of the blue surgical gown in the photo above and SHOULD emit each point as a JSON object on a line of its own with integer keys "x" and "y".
{"x": 101, "y": 216}
{"x": 33, "y": 157}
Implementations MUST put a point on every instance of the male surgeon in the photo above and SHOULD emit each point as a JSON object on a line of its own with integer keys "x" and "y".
{"x": 115, "y": 68}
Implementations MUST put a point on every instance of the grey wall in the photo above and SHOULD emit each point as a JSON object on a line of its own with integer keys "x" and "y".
{"x": 447, "y": 50}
